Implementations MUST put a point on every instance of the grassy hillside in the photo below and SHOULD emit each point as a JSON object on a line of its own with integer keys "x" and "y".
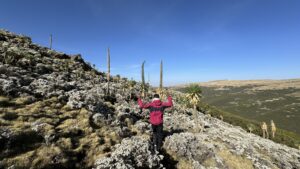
{"x": 247, "y": 103}
{"x": 283, "y": 136}
{"x": 260, "y": 105}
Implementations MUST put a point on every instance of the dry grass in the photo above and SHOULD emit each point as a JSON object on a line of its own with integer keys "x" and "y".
{"x": 4, "y": 99}
{"x": 235, "y": 161}
{"x": 184, "y": 164}
{"x": 23, "y": 100}
{"x": 295, "y": 94}
{"x": 210, "y": 162}
{"x": 20, "y": 160}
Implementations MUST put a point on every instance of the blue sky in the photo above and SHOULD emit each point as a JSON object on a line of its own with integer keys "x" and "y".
{"x": 198, "y": 40}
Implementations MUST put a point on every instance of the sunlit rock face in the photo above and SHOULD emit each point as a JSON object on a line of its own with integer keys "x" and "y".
{"x": 54, "y": 113}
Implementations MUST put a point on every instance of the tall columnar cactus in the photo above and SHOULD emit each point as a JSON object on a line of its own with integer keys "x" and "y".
{"x": 160, "y": 89}
{"x": 50, "y": 41}
{"x": 108, "y": 70}
{"x": 143, "y": 80}
{"x": 161, "y": 76}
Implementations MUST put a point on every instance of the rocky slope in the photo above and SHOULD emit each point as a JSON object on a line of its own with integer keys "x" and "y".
{"x": 54, "y": 114}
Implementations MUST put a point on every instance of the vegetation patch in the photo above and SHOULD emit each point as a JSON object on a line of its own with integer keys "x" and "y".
{"x": 235, "y": 161}
{"x": 240, "y": 117}
{"x": 10, "y": 116}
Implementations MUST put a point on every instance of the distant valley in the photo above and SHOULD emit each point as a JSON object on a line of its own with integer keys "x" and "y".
{"x": 260, "y": 100}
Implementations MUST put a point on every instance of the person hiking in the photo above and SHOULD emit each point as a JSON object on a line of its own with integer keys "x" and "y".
{"x": 156, "y": 108}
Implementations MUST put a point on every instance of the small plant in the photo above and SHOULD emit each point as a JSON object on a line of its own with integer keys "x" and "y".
{"x": 250, "y": 127}
{"x": 118, "y": 78}
{"x": 132, "y": 83}
{"x": 125, "y": 86}
{"x": 8, "y": 58}
{"x": 273, "y": 128}
{"x": 264, "y": 128}
{"x": 193, "y": 95}
{"x": 125, "y": 79}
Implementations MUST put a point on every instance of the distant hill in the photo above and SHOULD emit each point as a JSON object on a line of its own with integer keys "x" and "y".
{"x": 260, "y": 100}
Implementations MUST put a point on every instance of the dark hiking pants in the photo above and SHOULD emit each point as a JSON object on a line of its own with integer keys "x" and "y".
{"x": 157, "y": 135}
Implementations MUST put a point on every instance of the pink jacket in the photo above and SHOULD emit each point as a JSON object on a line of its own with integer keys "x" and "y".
{"x": 157, "y": 108}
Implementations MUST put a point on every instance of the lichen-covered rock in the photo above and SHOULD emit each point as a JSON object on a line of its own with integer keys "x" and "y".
{"x": 131, "y": 153}
{"x": 99, "y": 119}
{"x": 187, "y": 146}
{"x": 226, "y": 146}
{"x": 8, "y": 85}
{"x": 76, "y": 99}
{"x": 142, "y": 127}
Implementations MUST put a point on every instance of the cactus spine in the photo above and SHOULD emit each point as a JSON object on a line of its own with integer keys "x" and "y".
{"x": 108, "y": 70}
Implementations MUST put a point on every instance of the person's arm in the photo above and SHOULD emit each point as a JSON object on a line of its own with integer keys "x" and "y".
{"x": 169, "y": 103}
{"x": 143, "y": 105}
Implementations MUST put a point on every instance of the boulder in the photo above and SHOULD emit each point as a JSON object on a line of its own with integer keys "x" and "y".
{"x": 131, "y": 153}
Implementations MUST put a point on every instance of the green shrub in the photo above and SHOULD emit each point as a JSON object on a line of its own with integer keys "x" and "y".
{"x": 193, "y": 88}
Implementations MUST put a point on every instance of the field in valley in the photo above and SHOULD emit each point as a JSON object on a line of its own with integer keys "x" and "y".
{"x": 259, "y": 100}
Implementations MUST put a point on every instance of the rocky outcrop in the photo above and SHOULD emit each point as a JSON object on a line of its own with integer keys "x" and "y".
{"x": 54, "y": 113}
{"x": 131, "y": 153}
{"x": 225, "y": 146}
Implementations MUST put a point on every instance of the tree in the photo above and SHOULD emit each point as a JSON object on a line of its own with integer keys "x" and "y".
{"x": 193, "y": 94}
